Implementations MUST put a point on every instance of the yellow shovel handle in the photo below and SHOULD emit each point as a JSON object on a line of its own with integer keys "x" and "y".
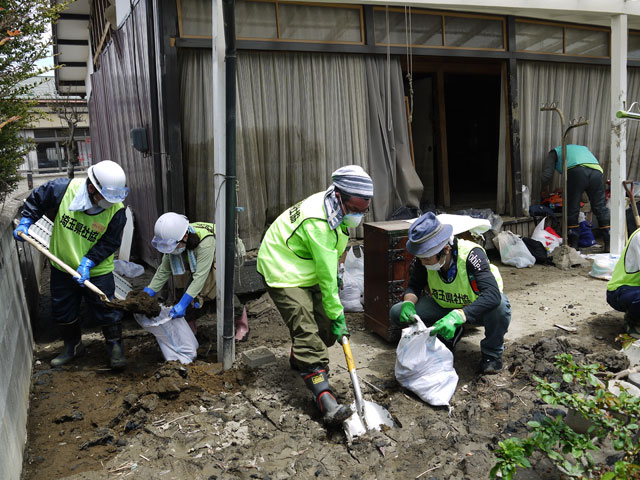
{"x": 351, "y": 365}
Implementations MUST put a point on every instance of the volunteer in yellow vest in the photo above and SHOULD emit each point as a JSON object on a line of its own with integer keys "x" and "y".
{"x": 87, "y": 230}
{"x": 451, "y": 282}
{"x": 584, "y": 174}
{"x": 189, "y": 249}
{"x": 299, "y": 261}
{"x": 623, "y": 290}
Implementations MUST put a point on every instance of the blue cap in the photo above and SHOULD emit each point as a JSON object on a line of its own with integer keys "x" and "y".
{"x": 427, "y": 236}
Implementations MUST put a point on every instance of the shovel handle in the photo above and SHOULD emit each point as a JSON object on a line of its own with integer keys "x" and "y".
{"x": 628, "y": 186}
{"x": 68, "y": 269}
{"x": 346, "y": 347}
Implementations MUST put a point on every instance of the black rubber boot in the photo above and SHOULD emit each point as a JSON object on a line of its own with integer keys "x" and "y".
{"x": 490, "y": 365}
{"x": 115, "y": 349}
{"x": 333, "y": 413}
{"x": 72, "y": 336}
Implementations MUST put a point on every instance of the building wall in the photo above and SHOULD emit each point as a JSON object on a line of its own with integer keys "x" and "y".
{"x": 16, "y": 351}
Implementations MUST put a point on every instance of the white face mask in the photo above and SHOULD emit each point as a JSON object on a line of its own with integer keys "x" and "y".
{"x": 178, "y": 250}
{"x": 104, "y": 204}
{"x": 352, "y": 219}
{"x": 437, "y": 266}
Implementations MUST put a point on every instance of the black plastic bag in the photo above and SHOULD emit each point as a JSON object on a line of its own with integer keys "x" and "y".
{"x": 538, "y": 251}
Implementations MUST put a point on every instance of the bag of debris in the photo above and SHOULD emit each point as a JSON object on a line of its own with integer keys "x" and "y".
{"x": 513, "y": 251}
{"x": 425, "y": 366}
{"x": 352, "y": 289}
{"x": 128, "y": 269}
{"x": 546, "y": 236}
{"x": 176, "y": 340}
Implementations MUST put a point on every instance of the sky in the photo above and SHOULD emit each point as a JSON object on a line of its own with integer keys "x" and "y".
{"x": 48, "y": 61}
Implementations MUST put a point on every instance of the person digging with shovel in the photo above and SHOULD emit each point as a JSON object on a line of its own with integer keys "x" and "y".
{"x": 189, "y": 250}
{"x": 87, "y": 230}
{"x": 452, "y": 282}
{"x": 298, "y": 259}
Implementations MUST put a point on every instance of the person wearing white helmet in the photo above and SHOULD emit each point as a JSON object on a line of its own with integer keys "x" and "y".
{"x": 189, "y": 249}
{"x": 298, "y": 258}
{"x": 87, "y": 230}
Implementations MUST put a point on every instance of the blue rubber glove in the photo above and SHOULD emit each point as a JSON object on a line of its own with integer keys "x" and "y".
{"x": 83, "y": 269}
{"x": 180, "y": 308}
{"x": 339, "y": 327}
{"x": 22, "y": 227}
{"x": 149, "y": 292}
{"x": 448, "y": 324}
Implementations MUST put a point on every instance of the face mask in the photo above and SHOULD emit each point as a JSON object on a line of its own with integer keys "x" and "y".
{"x": 104, "y": 204}
{"x": 352, "y": 219}
{"x": 178, "y": 250}
{"x": 437, "y": 266}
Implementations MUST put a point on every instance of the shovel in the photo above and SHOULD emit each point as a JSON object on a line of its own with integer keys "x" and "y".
{"x": 367, "y": 415}
{"x": 70, "y": 270}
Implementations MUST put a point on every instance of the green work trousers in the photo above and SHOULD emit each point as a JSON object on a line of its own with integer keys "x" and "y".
{"x": 310, "y": 328}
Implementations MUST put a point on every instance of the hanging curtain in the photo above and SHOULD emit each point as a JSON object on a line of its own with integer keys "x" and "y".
{"x": 299, "y": 117}
{"x": 580, "y": 90}
{"x": 395, "y": 179}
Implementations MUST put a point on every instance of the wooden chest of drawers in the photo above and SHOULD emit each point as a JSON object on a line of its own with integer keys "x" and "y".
{"x": 386, "y": 272}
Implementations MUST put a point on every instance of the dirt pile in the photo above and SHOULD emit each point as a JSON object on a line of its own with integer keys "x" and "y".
{"x": 138, "y": 301}
{"x": 162, "y": 420}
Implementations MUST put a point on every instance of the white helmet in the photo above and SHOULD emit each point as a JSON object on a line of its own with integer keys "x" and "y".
{"x": 169, "y": 230}
{"x": 110, "y": 180}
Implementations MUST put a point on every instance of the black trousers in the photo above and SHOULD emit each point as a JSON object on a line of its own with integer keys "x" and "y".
{"x": 584, "y": 179}
{"x": 66, "y": 296}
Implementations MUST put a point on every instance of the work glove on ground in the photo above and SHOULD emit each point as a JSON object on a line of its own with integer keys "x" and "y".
{"x": 83, "y": 269}
{"x": 447, "y": 325}
{"x": 149, "y": 292}
{"x": 180, "y": 308}
{"x": 408, "y": 312}
{"x": 22, "y": 227}
{"x": 339, "y": 327}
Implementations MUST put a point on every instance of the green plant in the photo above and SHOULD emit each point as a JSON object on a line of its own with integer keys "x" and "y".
{"x": 23, "y": 24}
{"x": 612, "y": 417}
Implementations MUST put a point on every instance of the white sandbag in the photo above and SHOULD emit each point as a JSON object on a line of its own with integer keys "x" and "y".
{"x": 603, "y": 265}
{"x": 176, "y": 340}
{"x": 352, "y": 274}
{"x": 513, "y": 251}
{"x": 425, "y": 366}
{"x": 128, "y": 269}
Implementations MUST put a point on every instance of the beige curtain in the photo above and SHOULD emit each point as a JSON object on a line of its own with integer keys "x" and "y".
{"x": 581, "y": 91}
{"x": 299, "y": 117}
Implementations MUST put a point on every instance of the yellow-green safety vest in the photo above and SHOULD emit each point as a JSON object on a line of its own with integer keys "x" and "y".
{"x": 76, "y": 232}
{"x": 460, "y": 292}
{"x": 620, "y": 276}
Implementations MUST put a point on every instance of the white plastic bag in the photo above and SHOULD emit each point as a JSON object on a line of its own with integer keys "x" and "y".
{"x": 176, "y": 340}
{"x": 425, "y": 366}
{"x": 128, "y": 269}
{"x": 352, "y": 273}
{"x": 549, "y": 240}
{"x": 513, "y": 251}
{"x": 603, "y": 265}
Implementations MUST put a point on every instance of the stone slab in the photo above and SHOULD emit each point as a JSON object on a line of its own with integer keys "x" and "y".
{"x": 258, "y": 357}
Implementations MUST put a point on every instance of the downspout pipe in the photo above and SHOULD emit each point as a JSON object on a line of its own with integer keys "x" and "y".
{"x": 228, "y": 15}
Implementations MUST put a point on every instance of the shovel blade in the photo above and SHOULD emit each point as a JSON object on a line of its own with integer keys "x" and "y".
{"x": 373, "y": 417}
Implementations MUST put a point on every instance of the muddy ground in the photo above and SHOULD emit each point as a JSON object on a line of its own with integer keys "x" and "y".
{"x": 168, "y": 421}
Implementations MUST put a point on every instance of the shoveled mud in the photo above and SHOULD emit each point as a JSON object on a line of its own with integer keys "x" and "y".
{"x": 162, "y": 420}
{"x": 138, "y": 301}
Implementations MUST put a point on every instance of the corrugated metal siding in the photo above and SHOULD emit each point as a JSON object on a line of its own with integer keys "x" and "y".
{"x": 116, "y": 106}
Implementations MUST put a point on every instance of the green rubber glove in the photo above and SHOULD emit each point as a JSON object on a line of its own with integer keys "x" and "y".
{"x": 447, "y": 325}
{"x": 339, "y": 327}
{"x": 407, "y": 313}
